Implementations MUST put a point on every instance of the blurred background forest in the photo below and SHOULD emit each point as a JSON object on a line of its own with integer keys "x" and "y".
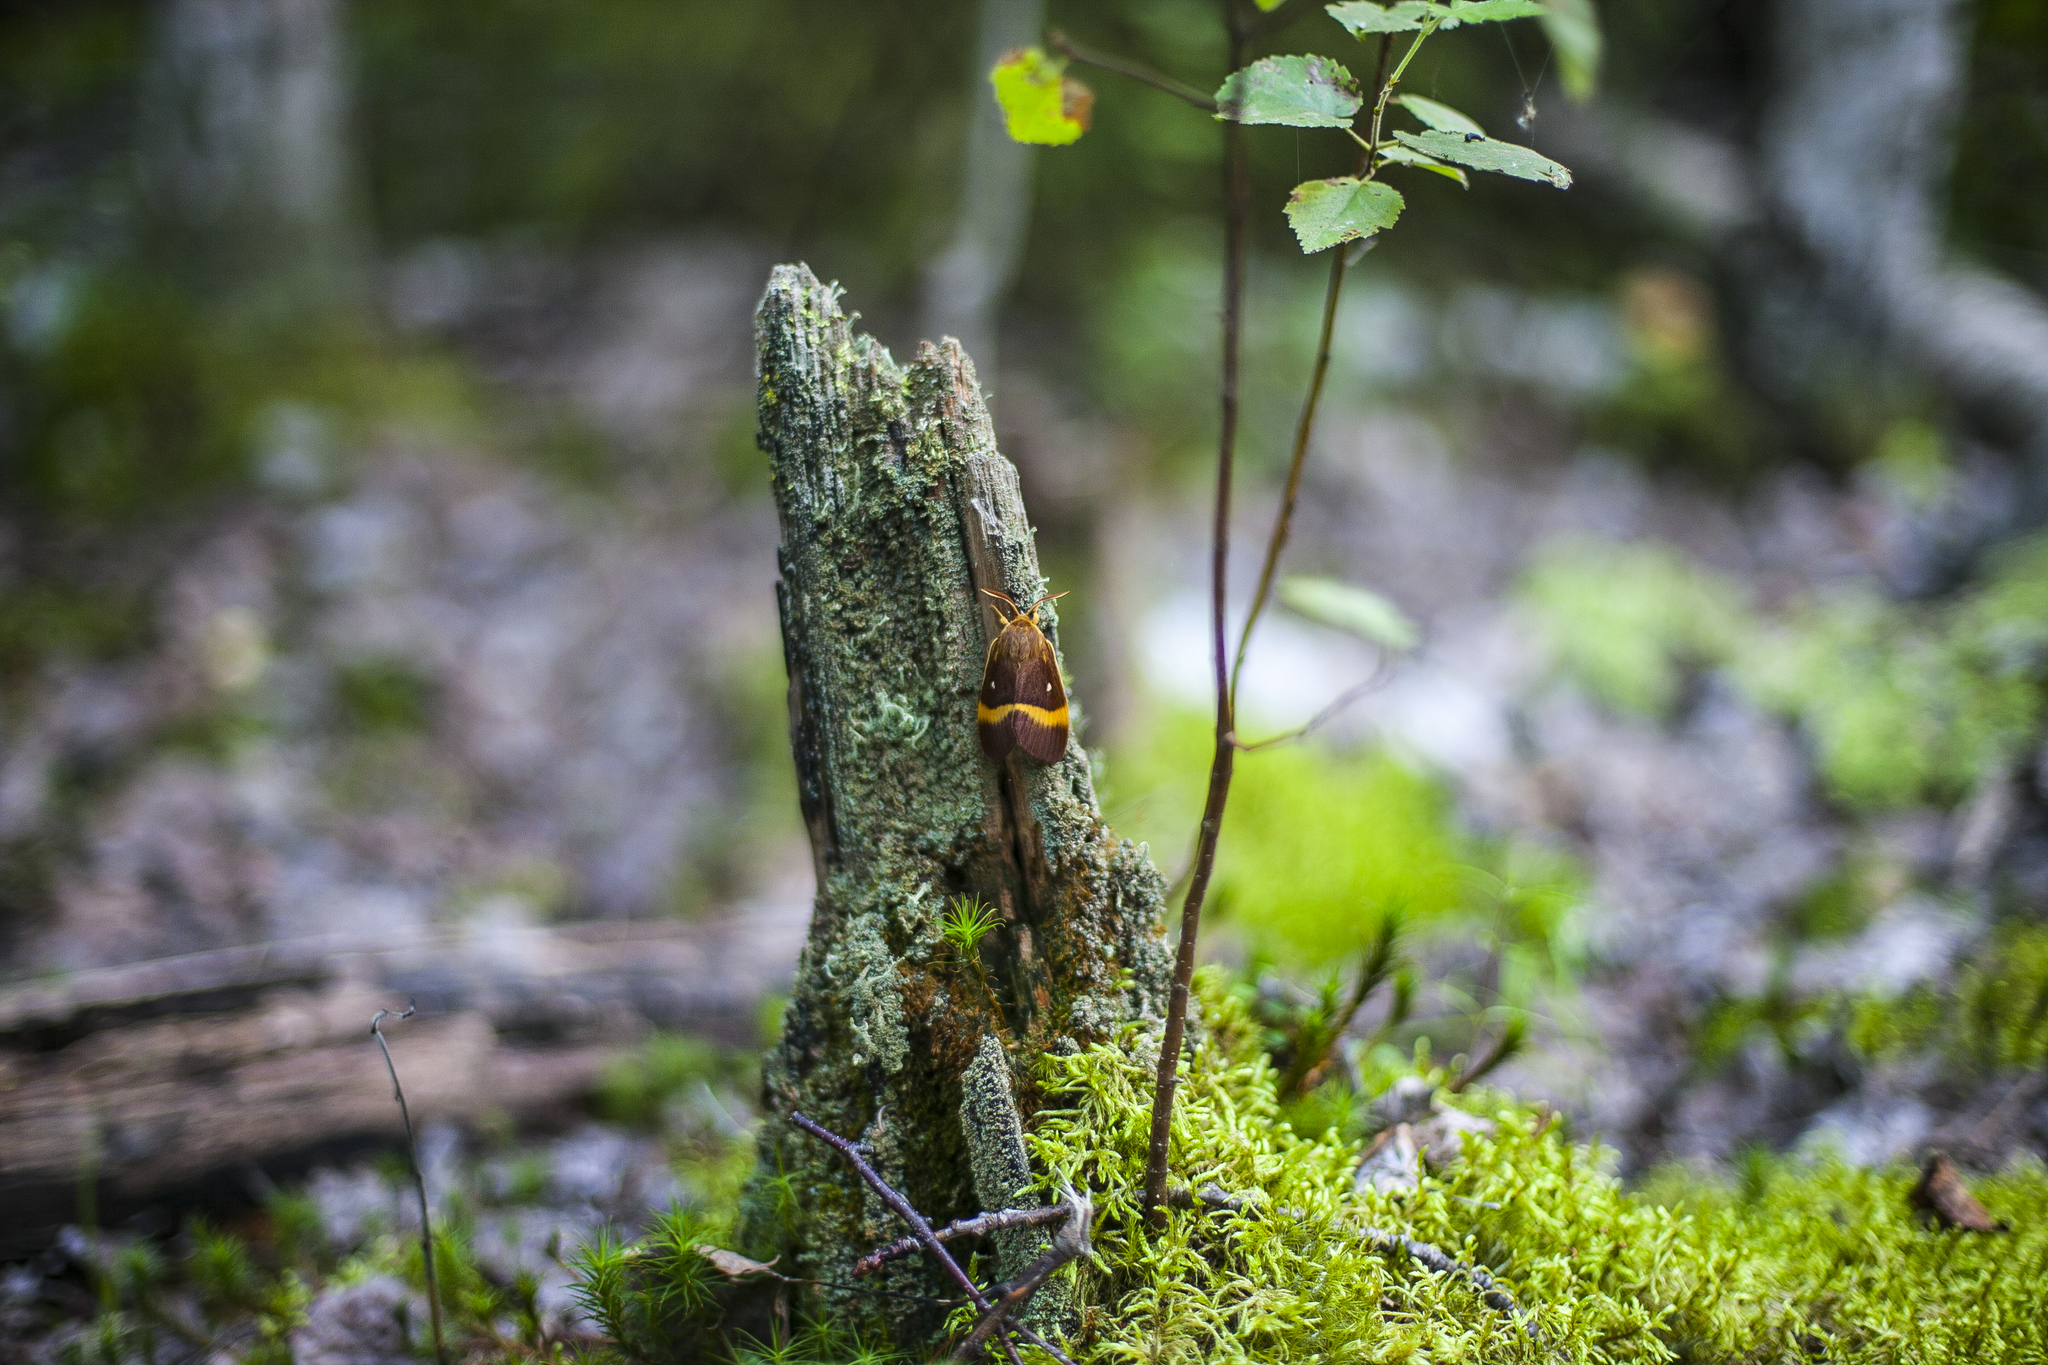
{"x": 386, "y": 567}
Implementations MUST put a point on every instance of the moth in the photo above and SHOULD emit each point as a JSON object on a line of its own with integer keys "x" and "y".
{"x": 1023, "y": 704}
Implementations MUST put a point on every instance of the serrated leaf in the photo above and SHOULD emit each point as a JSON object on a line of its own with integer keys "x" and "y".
{"x": 1439, "y": 116}
{"x": 1574, "y": 32}
{"x": 1326, "y": 212}
{"x": 1363, "y": 16}
{"x": 1360, "y": 611}
{"x": 1040, "y": 104}
{"x": 1489, "y": 11}
{"x": 1294, "y": 92}
{"x": 1486, "y": 154}
{"x": 1396, "y": 154}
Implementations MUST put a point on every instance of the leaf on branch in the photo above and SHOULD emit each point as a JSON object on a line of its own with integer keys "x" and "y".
{"x": 1363, "y": 16}
{"x": 1441, "y": 117}
{"x": 1489, "y": 11}
{"x": 1360, "y": 611}
{"x": 1395, "y": 154}
{"x": 1324, "y": 213}
{"x": 732, "y": 1264}
{"x": 1040, "y": 104}
{"x": 1574, "y": 32}
{"x": 1486, "y": 154}
{"x": 1295, "y": 92}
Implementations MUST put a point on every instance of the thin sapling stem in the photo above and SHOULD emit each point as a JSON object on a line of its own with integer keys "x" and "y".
{"x": 419, "y": 1180}
{"x": 1237, "y": 197}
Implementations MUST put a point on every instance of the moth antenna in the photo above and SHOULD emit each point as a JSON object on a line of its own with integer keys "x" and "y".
{"x": 1001, "y": 598}
{"x": 1049, "y": 597}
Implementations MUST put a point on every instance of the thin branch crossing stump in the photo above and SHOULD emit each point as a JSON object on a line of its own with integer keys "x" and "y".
{"x": 896, "y": 510}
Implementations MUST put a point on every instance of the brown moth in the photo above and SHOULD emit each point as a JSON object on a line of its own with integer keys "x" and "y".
{"x": 1023, "y": 704}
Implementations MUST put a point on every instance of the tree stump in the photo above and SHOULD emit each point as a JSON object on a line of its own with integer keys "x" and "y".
{"x": 896, "y": 510}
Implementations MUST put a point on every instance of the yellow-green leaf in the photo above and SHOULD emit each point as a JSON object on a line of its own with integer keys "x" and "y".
{"x": 1040, "y": 103}
{"x": 1324, "y": 213}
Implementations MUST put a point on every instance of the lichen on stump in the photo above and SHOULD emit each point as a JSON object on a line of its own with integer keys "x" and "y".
{"x": 896, "y": 510}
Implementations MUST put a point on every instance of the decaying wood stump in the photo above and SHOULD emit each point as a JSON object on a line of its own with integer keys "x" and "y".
{"x": 896, "y": 510}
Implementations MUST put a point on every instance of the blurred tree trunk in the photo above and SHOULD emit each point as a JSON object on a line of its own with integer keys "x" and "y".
{"x": 964, "y": 286}
{"x": 1858, "y": 141}
{"x": 896, "y": 510}
{"x": 244, "y": 146}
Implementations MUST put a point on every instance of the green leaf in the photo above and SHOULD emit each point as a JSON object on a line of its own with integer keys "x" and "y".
{"x": 1360, "y": 611}
{"x": 1040, "y": 104}
{"x": 1574, "y": 32}
{"x": 1326, "y": 212}
{"x": 1485, "y": 154}
{"x": 1295, "y": 92}
{"x": 1439, "y": 116}
{"x": 1395, "y": 154}
{"x": 1269, "y": 4}
{"x": 1363, "y": 16}
{"x": 1489, "y": 11}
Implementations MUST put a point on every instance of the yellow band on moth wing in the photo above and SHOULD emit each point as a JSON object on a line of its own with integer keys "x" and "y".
{"x": 996, "y": 715}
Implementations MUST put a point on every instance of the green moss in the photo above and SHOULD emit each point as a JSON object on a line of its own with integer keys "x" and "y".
{"x": 1818, "y": 1257}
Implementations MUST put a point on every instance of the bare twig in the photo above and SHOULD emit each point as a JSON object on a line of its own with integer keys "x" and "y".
{"x": 1431, "y": 1257}
{"x": 1120, "y": 66}
{"x": 419, "y": 1180}
{"x": 1378, "y": 965}
{"x": 981, "y": 1225}
{"x": 1315, "y": 722}
{"x": 925, "y": 1236}
{"x": 1237, "y": 195}
{"x": 1505, "y": 1046}
{"x": 1070, "y": 1243}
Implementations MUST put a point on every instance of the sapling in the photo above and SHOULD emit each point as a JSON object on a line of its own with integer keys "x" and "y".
{"x": 1338, "y": 214}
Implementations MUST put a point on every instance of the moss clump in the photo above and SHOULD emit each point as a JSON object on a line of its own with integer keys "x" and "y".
{"x": 1807, "y": 1259}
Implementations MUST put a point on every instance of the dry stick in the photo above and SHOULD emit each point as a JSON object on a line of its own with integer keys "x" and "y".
{"x": 925, "y": 1236}
{"x": 1429, "y": 1255}
{"x": 1237, "y": 201}
{"x": 979, "y": 1226}
{"x": 419, "y": 1181}
{"x": 1119, "y": 66}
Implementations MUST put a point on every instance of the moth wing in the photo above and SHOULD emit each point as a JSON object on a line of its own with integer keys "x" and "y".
{"x": 1041, "y": 717}
{"x": 998, "y": 689}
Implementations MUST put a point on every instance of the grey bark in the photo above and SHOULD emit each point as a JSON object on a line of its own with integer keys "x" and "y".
{"x": 896, "y": 509}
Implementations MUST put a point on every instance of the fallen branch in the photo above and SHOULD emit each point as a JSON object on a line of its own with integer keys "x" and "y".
{"x": 1430, "y": 1256}
{"x": 926, "y": 1237}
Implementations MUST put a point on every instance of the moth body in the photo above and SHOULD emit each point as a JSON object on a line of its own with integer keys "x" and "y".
{"x": 1023, "y": 703}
